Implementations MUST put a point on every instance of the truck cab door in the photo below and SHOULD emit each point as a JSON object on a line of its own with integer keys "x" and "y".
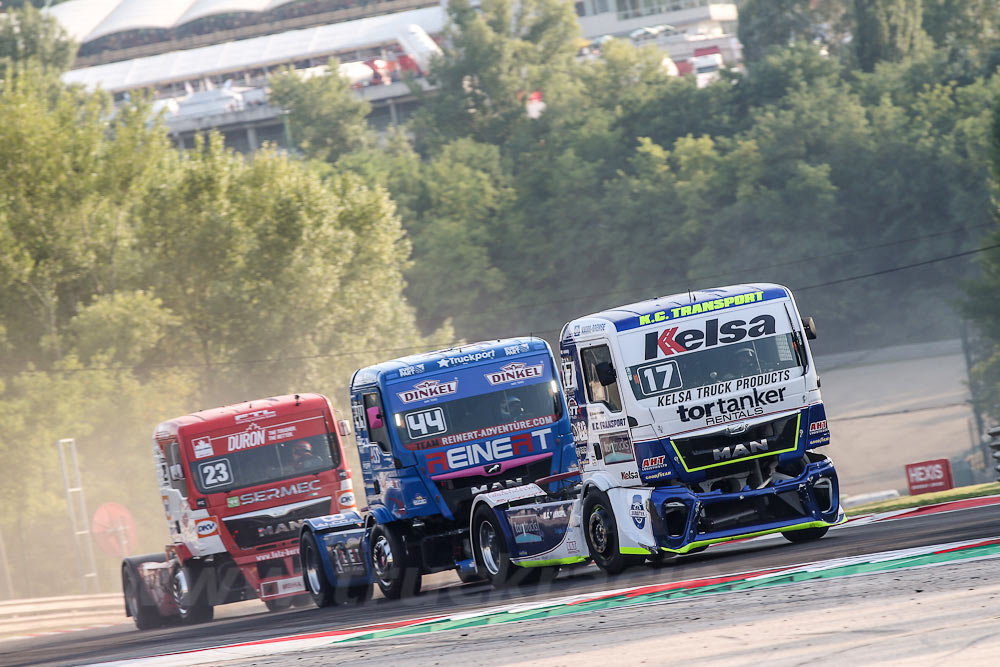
{"x": 372, "y": 437}
{"x": 608, "y": 429}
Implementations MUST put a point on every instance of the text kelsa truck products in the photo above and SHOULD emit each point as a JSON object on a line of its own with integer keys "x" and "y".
{"x": 237, "y": 483}
{"x": 434, "y": 430}
{"x": 696, "y": 419}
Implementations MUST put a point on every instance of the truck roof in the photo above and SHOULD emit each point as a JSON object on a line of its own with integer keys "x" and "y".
{"x": 276, "y": 404}
{"x": 628, "y": 317}
{"x": 464, "y": 354}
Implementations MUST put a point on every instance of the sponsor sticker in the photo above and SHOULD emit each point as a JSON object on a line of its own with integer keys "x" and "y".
{"x": 654, "y": 462}
{"x": 608, "y": 423}
{"x": 346, "y": 500}
{"x": 206, "y": 528}
{"x": 738, "y": 408}
{"x": 466, "y": 358}
{"x": 419, "y": 500}
{"x": 816, "y": 427}
{"x": 428, "y": 389}
{"x": 275, "y": 493}
{"x": 232, "y": 502}
{"x": 698, "y": 308}
{"x": 407, "y": 371}
{"x": 514, "y": 372}
{"x": 616, "y": 448}
{"x": 280, "y": 553}
{"x": 637, "y": 512}
{"x": 296, "y": 585}
{"x": 254, "y": 436}
{"x": 711, "y": 333}
{"x": 630, "y": 475}
{"x": 584, "y": 329}
{"x": 489, "y": 451}
{"x": 512, "y": 350}
{"x": 256, "y": 415}
{"x": 203, "y": 448}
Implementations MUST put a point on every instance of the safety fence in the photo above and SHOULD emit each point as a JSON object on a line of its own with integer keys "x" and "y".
{"x": 56, "y": 614}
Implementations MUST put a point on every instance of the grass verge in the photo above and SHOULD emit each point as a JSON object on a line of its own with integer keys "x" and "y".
{"x": 906, "y": 502}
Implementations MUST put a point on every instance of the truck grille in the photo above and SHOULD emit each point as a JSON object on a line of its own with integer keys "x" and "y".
{"x": 458, "y": 492}
{"x": 705, "y": 451}
{"x": 264, "y": 529}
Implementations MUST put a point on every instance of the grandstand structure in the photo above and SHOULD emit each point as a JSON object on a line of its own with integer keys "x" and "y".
{"x": 116, "y": 30}
{"x": 207, "y": 62}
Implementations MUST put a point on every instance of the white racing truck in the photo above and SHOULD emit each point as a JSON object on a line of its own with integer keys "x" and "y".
{"x": 696, "y": 419}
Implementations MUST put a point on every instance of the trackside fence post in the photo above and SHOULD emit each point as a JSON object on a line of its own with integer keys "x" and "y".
{"x": 994, "y": 445}
{"x": 79, "y": 519}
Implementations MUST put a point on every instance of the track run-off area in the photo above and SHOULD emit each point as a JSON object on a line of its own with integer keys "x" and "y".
{"x": 733, "y": 603}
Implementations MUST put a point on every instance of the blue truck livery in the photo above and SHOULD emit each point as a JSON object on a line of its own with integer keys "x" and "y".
{"x": 433, "y": 432}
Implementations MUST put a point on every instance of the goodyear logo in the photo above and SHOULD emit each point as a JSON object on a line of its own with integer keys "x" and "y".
{"x": 703, "y": 307}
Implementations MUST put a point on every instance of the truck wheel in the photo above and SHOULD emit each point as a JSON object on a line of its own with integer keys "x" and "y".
{"x": 192, "y": 607}
{"x": 490, "y": 548}
{"x": 394, "y": 576}
{"x": 602, "y": 535}
{"x": 806, "y": 534}
{"x": 146, "y": 616}
{"x": 319, "y": 587}
{"x": 358, "y": 593}
{"x": 278, "y": 604}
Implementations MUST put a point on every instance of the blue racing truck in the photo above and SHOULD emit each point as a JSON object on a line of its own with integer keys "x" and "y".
{"x": 434, "y": 431}
{"x": 697, "y": 420}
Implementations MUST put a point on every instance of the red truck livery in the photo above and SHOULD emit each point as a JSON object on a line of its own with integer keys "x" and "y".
{"x": 237, "y": 482}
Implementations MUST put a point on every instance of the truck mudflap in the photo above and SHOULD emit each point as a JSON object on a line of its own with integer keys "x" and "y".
{"x": 342, "y": 545}
{"x": 544, "y": 534}
{"x": 680, "y": 521}
{"x": 537, "y": 534}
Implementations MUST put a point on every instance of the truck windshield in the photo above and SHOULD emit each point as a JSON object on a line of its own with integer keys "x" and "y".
{"x": 714, "y": 365}
{"x": 266, "y": 464}
{"x": 472, "y": 417}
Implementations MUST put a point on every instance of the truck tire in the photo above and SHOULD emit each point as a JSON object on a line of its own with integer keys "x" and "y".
{"x": 319, "y": 587}
{"x": 490, "y": 548}
{"x": 806, "y": 534}
{"x": 145, "y": 615}
{"x": 192, "y": 605}
{"x": 601, "y": 531}
{"x": 358, "y": 593}
{"x": 395, "y": 576}
{"x": 278, "y": 604}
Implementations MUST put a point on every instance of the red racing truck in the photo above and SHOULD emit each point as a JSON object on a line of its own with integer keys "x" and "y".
{"x": 237, "y": 482}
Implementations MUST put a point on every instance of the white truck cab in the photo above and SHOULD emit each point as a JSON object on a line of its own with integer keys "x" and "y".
{"x": 695, "y": 418}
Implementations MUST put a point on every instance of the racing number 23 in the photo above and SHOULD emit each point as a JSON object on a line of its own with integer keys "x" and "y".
{"x": 215, "y": 473}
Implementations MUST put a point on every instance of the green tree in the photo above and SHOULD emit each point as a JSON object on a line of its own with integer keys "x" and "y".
{"x": 950, "y": 22}
{"x": 325, "y": 118}
{"x": 276, "y": 276}
{"x": 64, "y": 218}
{"x": 765, "y": 24}
{"x": 27, "y": 34}
{"x": 887, "y": 30}
{"x": 492, "y": 60}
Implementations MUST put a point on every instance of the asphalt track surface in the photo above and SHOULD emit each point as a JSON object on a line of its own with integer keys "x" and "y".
{"x": 123, "y": 641}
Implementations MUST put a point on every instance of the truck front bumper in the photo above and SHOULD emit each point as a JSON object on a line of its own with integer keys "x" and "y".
{"x": 683, "y": 520}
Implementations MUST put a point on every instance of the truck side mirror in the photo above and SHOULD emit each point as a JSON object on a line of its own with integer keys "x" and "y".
{"x": 605, "y": 373}
{"x": 810, "y": 327}
{"x": 345, "y": 427}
